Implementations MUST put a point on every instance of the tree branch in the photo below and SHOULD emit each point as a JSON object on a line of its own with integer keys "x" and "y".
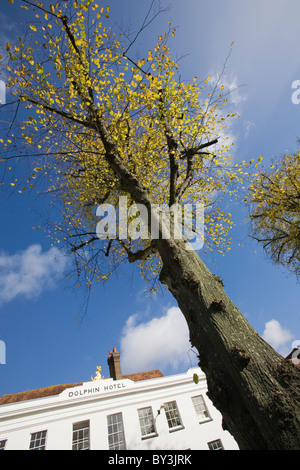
{"x": 172, "y": 151}
{"x": 140, "y": 254}
{"x": 189, "y": 155}
{"x": 83, "y": 244}
{"x": 196, "y": 150}
{"x": 87, "y": 124}
{"x": 189, "y": 177}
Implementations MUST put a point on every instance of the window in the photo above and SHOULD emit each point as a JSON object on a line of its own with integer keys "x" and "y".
{"x": 38, "y": 441}
{"x": 172, "y": 415}
{"x": 3, "y": 444}
{"x": 147, "y": 422}
{"x": 215, "y": 445}
{"x": 81, "y": 436}
{"x": 116, "y": 437}
{"x": 200, "y": 408}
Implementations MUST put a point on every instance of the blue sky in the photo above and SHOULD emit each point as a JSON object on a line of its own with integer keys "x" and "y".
{"x": 47, "y": 342}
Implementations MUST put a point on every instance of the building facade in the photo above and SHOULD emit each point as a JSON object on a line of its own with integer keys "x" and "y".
{"x": 145, "y": 411}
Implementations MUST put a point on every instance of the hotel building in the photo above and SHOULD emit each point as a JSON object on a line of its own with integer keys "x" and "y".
{"x": 143, "y": 411}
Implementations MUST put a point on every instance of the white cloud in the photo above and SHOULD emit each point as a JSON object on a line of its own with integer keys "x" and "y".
{"x": 233, "y": 88}
{"x": 229, "y": 87}
{"x": 29, "y": 272}
{"x": 248, "y": 125}
{"x": 277, "y": 336}
{"x": 161, "y": 342}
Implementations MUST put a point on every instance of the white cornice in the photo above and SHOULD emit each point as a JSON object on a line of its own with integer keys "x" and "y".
{"x": 123, "y": 391}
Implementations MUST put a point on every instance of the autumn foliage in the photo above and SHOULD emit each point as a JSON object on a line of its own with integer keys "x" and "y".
{"x": 275, "y": 212}
{"x": 82, "y": 89}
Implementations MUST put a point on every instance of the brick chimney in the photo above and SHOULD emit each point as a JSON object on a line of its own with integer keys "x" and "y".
{"x": 113, "y": 362}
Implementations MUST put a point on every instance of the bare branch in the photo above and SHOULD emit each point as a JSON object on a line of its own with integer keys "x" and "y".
{"x": 145, "y": 24}
{"x": 83, "y": 244}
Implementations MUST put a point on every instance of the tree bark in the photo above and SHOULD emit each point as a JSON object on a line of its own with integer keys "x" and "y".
{"x": 256, "y": 390}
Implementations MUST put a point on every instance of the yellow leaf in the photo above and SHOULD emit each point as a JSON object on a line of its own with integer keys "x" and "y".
{"x": 32, "y": 27}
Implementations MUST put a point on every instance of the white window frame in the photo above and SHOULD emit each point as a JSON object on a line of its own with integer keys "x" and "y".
{"x": 146, "y": 419}
{"x": 116, "y": 433}
{"x": 172, "y": 414}
{"x": 36, "y": 438}
{"x": 201, "y": 408}
{"x": 215, "y": 445}
{"x": 81, "y": 435}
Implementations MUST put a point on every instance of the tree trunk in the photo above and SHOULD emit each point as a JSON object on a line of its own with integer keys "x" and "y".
{"x": 256, "y": 390}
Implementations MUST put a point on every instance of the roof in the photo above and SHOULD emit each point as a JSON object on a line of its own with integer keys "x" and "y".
{"x": 38, "y": 393}
{"x": 150, "y": 374}
{"x": 293, "y": 357}
{"x": 57, "y": 389}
